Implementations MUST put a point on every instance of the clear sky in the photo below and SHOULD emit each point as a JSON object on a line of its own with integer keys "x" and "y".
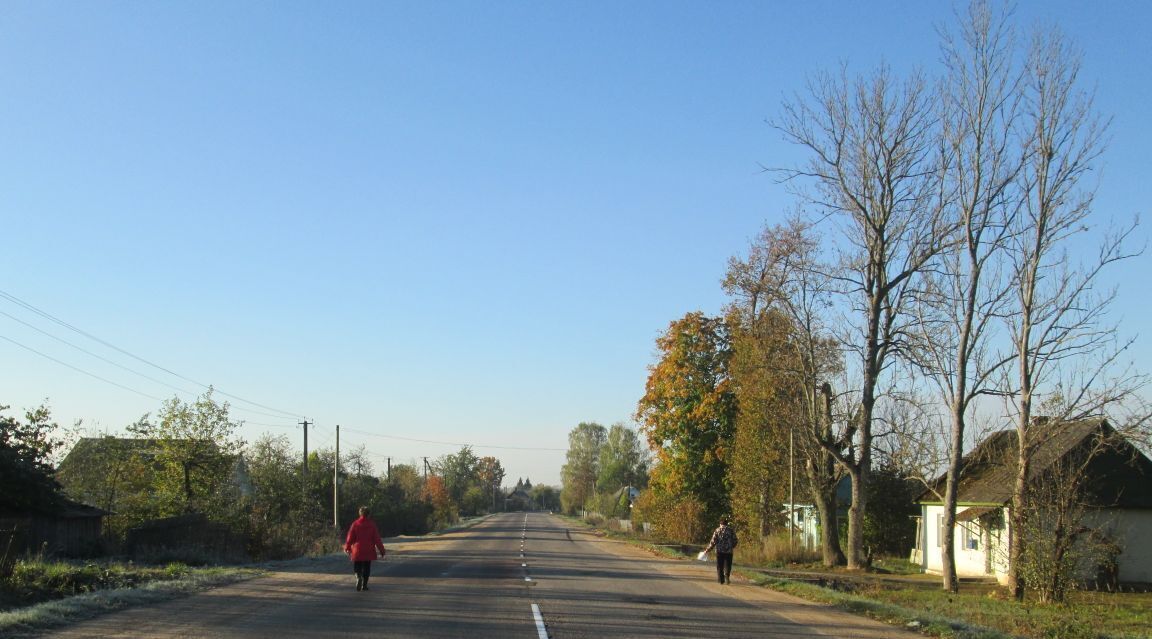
{"x": 456, "y": 222}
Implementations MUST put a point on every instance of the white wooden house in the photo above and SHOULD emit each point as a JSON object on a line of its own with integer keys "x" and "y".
{"x": 1117, "y": 495}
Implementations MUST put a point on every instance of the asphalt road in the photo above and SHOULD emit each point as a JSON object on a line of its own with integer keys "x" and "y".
{"x": 512, "y": 576}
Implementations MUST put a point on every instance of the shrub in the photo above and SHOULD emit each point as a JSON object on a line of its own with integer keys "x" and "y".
{"x": 673, "y": 519}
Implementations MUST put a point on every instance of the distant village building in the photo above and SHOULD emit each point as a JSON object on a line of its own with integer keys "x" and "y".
{"x": 520, "y": 498}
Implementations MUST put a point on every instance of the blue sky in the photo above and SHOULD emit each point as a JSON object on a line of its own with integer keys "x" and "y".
{"x": 458, "y": 222}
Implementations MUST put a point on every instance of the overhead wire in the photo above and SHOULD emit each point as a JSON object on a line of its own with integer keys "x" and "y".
{"x": 328, "y": 436}
{"x": 443, "y": 443}
{"x": 87, "y": 352}
{"x": 79, "y": 370}
{"x": 60, "y": 322}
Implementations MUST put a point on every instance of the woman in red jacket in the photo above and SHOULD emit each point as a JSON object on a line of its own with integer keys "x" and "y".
{"x": 361, "y": 546}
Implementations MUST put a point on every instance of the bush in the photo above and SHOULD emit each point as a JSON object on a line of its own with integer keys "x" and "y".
{"x": 673, "y": 519}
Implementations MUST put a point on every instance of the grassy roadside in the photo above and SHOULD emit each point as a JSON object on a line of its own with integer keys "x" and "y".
{"x": 68, "y": 593}
{"x": 976, "y": 612}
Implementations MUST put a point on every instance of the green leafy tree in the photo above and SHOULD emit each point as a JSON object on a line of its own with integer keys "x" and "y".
{"x": 490, "y": 473}
{"x": 459, "y": 473}
{"x": 579, "y": 473}
{"x": 405, "y": 512}
{"x": 546, "y": 497}
{"x": 623, "y": 460}
{"x": 25, "y": 470}
{"x": 273, "y": 504}
{"x": 890, "y": 528}
{"x": 688, "y": 412}
{"x": 197, "y": 452}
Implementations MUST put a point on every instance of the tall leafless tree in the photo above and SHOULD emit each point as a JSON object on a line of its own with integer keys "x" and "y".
{"x": 966, "y": 291}
{"x": 874, "y": 166}
{"x": 1067, "y": 350}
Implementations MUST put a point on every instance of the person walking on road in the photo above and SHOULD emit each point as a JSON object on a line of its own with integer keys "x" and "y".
{"x": 362, "y": 544}
{"x": 724, "y": 541}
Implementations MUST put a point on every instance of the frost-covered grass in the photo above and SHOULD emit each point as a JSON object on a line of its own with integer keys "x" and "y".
{"x": 167, "y": 582}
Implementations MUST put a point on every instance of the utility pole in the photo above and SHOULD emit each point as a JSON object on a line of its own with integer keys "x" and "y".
{"x": 336, "y": 485}
{"x": 425, "y": 469}
{"x": 791, "y": 492}
{"x": 305, "y": 489}
{"x": 389, "y": 467}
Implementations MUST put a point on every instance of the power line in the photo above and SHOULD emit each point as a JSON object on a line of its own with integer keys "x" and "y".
{"x": 79, "y": 370}
{"x": 60, "y": 322}
{"x": 429, "y": 441}
{"x": 87, "y": 352}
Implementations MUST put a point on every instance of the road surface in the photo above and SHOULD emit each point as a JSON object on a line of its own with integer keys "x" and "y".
{"x": 512, "y": 576}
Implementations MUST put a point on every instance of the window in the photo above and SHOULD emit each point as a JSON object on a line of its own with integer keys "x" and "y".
{"x": 939, "y": 529}
{"x": 971, "y": 536}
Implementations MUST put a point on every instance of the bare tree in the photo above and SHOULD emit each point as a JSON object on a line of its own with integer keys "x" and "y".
{"x": 874, "y": 165}
{"x": 1063, "y": 340}
{"x": 965, "y": 292}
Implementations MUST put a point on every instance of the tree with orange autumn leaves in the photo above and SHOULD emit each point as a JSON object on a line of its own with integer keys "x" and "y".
{"x": 688, "y": 414}
{"x": 436, "y": 494}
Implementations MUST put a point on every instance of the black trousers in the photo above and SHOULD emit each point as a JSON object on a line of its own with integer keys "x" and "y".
{"x": 723, "y": 566}
{"x": 363, "y": 570}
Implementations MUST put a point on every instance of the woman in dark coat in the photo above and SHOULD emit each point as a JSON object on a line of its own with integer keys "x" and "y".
{"x": 362, "y": 544}
{"x": 724, "y": 541}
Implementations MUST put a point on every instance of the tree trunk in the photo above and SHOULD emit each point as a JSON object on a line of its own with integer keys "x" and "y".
{"x": 1017, "y": 523}
{"x": 950, "y": 581}
{"x": 856, "y": 555}
{"x": 822, "y": 477}
{"x": 1020, "y": 501}
{"x": 187, "y": 488}
{"x": 826, "y": 507}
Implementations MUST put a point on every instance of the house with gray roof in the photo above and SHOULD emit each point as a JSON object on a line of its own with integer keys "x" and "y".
{"x": 1114, "y": 498}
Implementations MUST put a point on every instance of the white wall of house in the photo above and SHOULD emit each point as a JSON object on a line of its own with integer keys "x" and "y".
{"x": 983, "y": 552}
{"x": 1131, "y": 529}
{"x": 806, "y": 524}
{"x": 977, "y": 549}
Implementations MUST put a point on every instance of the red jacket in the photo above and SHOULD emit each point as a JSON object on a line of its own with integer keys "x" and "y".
{"x": 363, "y": 540}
